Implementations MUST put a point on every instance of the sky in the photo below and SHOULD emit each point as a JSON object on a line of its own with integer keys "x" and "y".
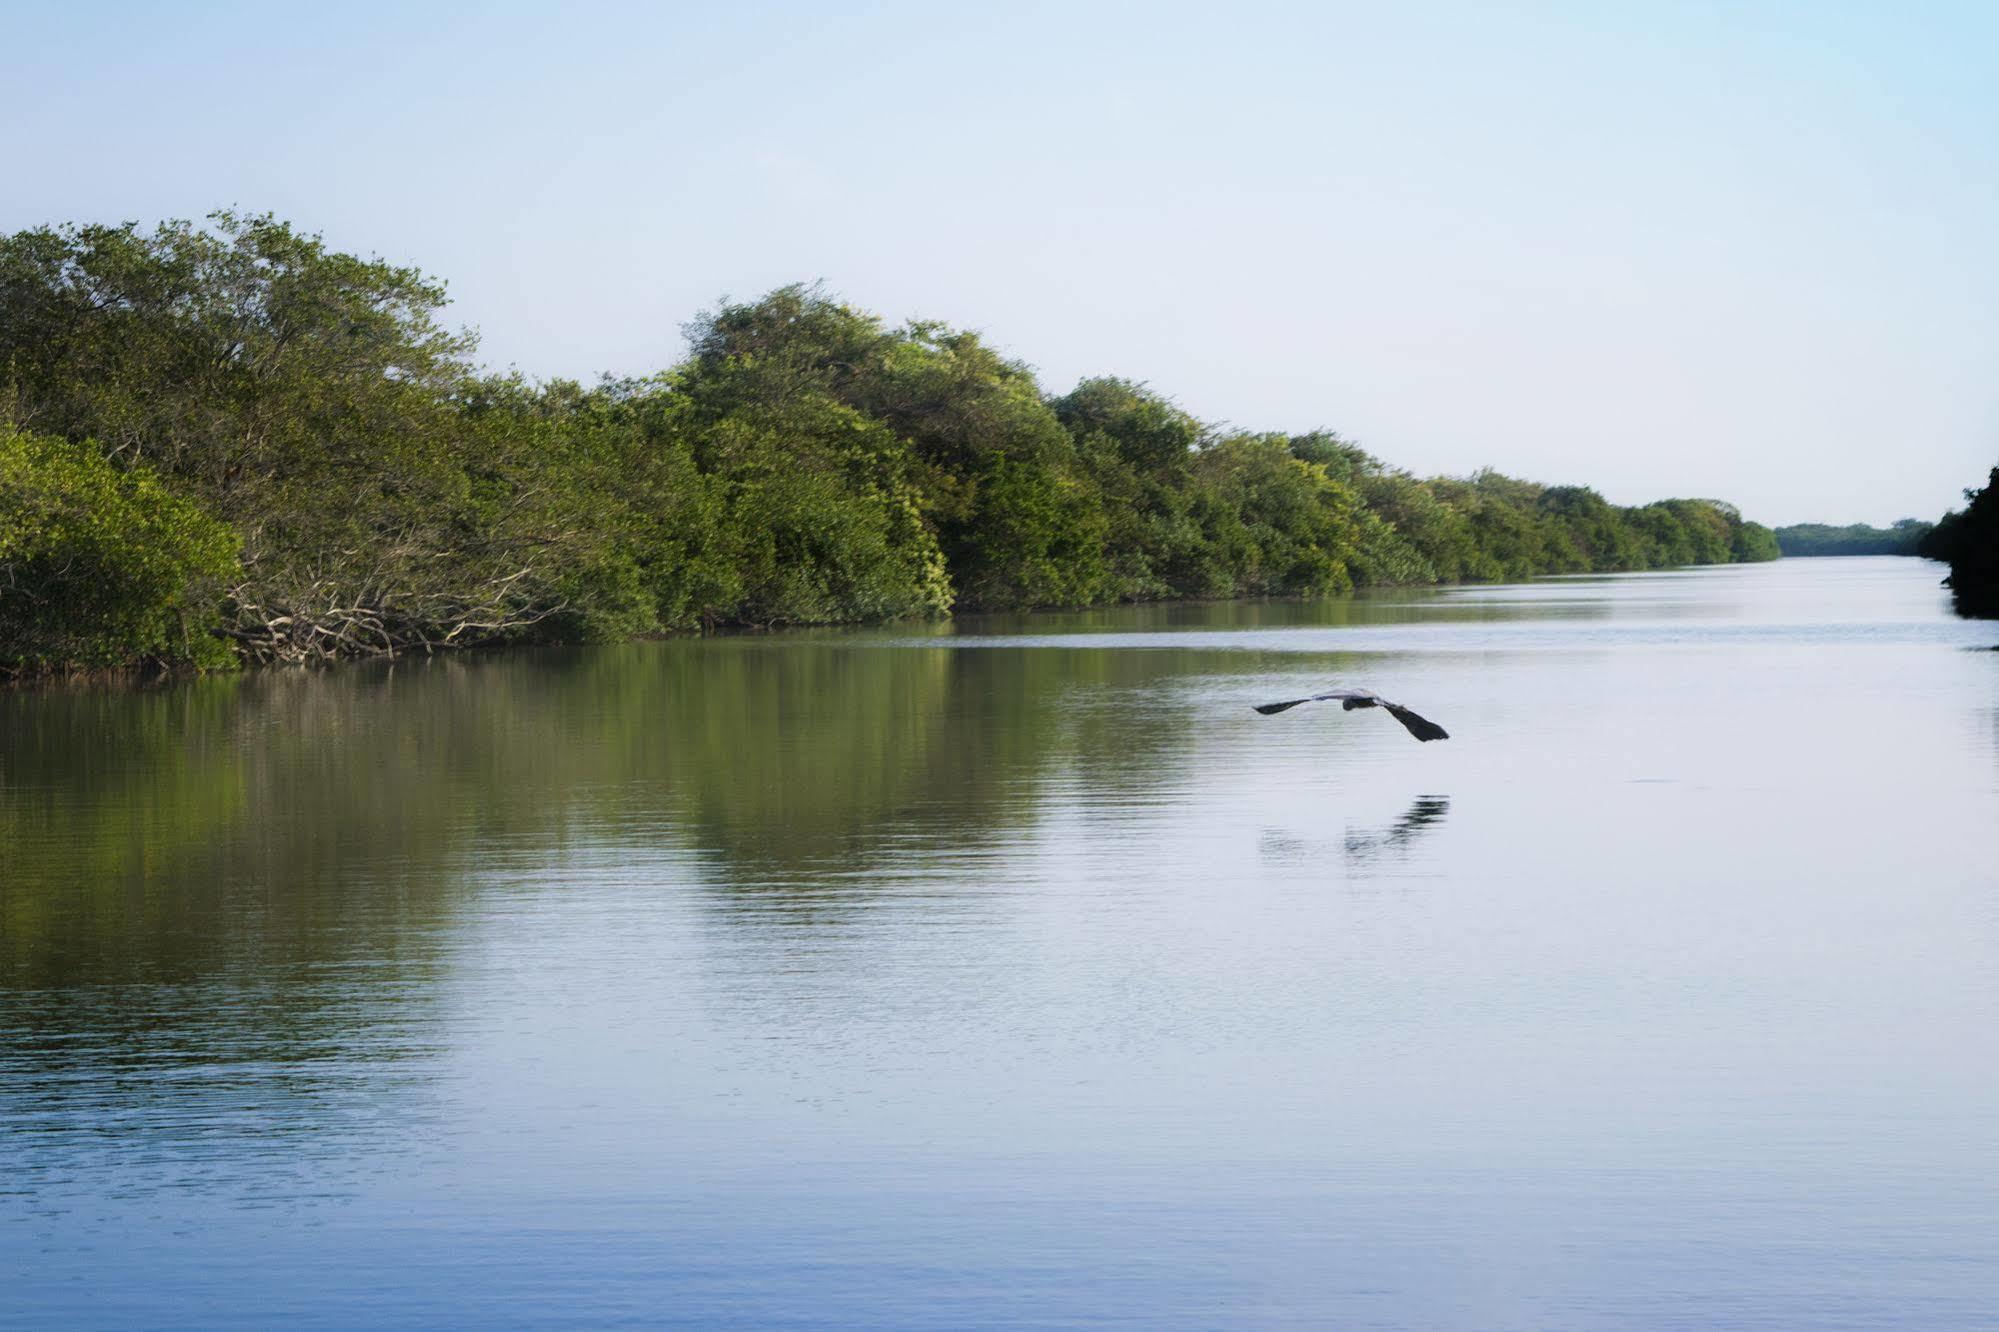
{"x": 1742, "y": 250}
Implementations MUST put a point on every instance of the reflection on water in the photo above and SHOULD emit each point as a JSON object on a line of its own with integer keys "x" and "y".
{"x": 1365, "y": 852}
{"x": 988, "y": 973}
{"x": 1366, "y": 847}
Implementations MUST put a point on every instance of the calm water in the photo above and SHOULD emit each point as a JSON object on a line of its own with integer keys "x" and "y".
{"x": 1017, "y": 974}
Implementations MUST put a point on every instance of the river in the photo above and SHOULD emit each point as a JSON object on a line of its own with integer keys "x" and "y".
{"x": 1012, "y": 972}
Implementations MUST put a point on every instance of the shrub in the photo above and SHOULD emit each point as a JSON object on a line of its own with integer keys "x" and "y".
{"x": 102, "y": 567}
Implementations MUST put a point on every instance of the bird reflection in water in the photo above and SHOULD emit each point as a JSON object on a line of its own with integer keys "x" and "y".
{"x": 1365, "y": 848}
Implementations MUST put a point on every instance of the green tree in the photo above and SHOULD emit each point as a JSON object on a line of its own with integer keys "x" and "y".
{"x": 1001, "y": 484}
{"x": 1753, "y": 543}
{"x": 1591, "y": 533}
{"x": 311, "y": 400}
{"x": 1271, "y": 524}
{"x": 1138, "y": 449}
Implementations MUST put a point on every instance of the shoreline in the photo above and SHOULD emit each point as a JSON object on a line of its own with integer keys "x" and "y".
{"x": 156, "y": 676}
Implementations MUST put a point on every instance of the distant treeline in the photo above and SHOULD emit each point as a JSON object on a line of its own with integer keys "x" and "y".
{"x": 231, "y": 442}
{"x": 1807, "y": 539}
{"x": 1967, "y": 540}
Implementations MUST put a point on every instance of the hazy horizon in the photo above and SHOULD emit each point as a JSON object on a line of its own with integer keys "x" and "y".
{"x": 1739, "y": 254}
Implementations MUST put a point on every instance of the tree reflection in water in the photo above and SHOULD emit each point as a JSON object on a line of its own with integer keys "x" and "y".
{"x": 230, "y": 908}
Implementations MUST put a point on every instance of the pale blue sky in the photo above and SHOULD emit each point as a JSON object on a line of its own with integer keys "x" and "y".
{"x": 1743, "y": 250}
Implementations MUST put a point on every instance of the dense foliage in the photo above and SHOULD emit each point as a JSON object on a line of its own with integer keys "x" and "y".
{"x": 100, "y": 566}
{"x": 333, "y": 476}
{"x": 1967, "y": 539}
{"x": 1808, "y": 539}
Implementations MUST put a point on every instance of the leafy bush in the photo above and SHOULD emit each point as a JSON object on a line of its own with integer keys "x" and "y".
{"x": 101, "y": 567}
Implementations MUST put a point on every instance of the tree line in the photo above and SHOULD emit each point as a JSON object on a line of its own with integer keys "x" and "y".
{"x": 231, "y": 442}
{"x": 1811, "y": 539}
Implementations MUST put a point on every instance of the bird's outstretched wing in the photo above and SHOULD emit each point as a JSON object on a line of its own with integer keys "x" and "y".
{"x": 1420, "y": 727}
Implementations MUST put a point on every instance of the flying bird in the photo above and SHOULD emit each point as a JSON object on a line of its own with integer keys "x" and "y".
{"x": 1420, "y": 727}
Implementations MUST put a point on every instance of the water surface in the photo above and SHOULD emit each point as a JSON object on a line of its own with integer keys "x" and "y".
{"x": 1013, "y": 972}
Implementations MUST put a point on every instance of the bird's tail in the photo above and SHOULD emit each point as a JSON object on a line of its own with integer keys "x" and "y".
{"x": 1420, "y": 727}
